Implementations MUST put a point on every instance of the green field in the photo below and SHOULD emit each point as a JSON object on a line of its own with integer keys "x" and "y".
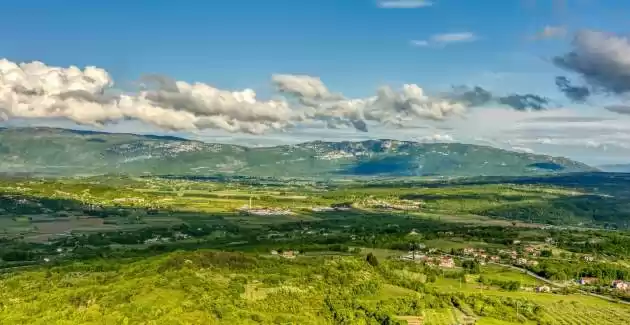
{"x": 145, "y": 250}
{"x": 228, "y": 288}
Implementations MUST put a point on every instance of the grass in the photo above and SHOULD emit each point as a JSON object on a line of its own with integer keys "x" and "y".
{"x": 507, "y": 274}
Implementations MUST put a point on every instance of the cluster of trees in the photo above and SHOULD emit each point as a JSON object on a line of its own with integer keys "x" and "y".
{"x": 568, "y": 270}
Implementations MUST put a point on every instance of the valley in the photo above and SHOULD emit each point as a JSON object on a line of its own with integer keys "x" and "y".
{"x": 248, "y": 250}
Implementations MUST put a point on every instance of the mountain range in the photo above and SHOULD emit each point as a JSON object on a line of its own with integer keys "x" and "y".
{"x": 615, "y": 168}
{"x": 66, "y": 152}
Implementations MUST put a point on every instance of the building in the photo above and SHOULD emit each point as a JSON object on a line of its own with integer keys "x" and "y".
{"x": 532, "y": 263}
{"x": 447, "y": 262}
{"x": 495, "y": 258}
{"x": 587, "y": 280}
{"x": 521, "y": 261}
{"x": 543, "y": 289}
{"x": 620, "y": 285}
{"x": 469, "y": 251}
{"x": 289, "y": 254}
{"x": 588, "y": 258}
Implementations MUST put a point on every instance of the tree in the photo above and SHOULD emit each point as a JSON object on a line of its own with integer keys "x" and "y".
{"x": 413, "y": 247}
{"x": 471, "y": 266}
{"x": 372, "y": 259}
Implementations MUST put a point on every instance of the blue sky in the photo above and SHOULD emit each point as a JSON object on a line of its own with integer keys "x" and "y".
{"x": 355, "y": 46}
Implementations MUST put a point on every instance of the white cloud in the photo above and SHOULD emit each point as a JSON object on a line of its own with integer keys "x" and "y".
{"x": 454, "y": 37}
{"x": 403, "y": 4}
{"x": 38, "y": 94}
{"x": 445, "y": 39}
{"x": 85, "y": 96}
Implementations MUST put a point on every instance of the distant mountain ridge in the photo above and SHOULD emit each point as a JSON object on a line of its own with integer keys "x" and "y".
{"x": 616, "y": 168}
{"x": 71, "y": 152}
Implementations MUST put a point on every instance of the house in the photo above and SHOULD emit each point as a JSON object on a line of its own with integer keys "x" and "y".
{"x": 447, "y": 262}
{"x": 469, "y": 251}
{"x": 588, "y": 258}
{"x": 620, "y": 285}
{"x": 530, "y": 249}
{"x": 289, "y": 254}
{"x": 549, "y": 240}
{"x": 543, "y": 289}
{"x": 587, "y": 280}
{"x": 495, "y": 258}
{"x": 532, "y": 263}
{"x": 521, "y": 261}
{"x": 516, "y": 242}
{"x": 274, "y": 252}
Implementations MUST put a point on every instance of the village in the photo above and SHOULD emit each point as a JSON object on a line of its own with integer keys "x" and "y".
{"x": 525, "y": 258}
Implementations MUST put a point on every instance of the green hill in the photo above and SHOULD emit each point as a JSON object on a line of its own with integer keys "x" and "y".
{"x": 70, "y": 152}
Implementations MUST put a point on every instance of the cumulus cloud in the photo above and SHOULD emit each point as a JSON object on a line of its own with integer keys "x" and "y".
{"x": 478, "y": 96}
{"x": 601, "y": 59}
{"x": 389, "y": 106}
{"x": 403, "y": 4}
{"x": 86, "y": 96}
{"x": 445, "y": 39}
{"x": 35, "y": 90}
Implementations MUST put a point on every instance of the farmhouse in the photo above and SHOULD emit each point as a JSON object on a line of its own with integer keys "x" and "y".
{"x": 588, "y": 280}
{"x": 447, "y": 262}
{"x": 543, "y": 289}
{"x": 289, "y": 254}
{"x": 530, "y": 249}
{"x": 620, "y": 285}
{"x": 469, "y": 251}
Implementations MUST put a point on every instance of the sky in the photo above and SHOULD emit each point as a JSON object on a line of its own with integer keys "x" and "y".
{"x": 282, "y": 71}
